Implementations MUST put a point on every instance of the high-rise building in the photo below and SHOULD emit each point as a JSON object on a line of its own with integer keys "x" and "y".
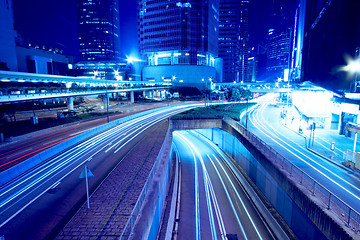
{"x": 234, "y": 39}
{"x": 179, "y": 40}
{"x": 7, "y": 40}
{"x": 280, "y": 39}
{"x": 98, "y": 22}
{"x": 278, "y": 53}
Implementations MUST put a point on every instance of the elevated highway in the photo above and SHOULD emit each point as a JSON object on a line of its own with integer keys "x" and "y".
{"x": 88, "y": 86}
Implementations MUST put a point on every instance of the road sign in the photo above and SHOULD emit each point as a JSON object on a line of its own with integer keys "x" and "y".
{"x": 86, "y": 173}
{"x": 89, "y": 173}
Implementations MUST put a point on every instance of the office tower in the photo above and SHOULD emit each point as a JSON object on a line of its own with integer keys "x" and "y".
{"x": 98, "y": 22}
{"x": 234, "y": 39}
{"x": 280, "y": 39}
{"x": 7, "y": 40}
{"x": 179, "y": 40}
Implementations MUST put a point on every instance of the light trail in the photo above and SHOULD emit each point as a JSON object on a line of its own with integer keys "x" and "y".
{"x": 229, "y": 199}
{"x": 197, "y": 208}
{"x": 238, "y": 196}
{"x": 236, "y": 205}
{"x": 207, "y": 183}
{"x": 257, "y": 124}
{"x": 37, "y": 182}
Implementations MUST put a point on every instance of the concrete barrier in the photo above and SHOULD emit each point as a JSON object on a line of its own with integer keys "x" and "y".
{"x": 145, "y": 218}
{"x": 298, "y": 207}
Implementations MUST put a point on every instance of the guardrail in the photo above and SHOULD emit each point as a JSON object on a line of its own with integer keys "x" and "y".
{"x": 32, "y": 96}
{"x": 332, "y": 202}
{"x": 137, "y": 208}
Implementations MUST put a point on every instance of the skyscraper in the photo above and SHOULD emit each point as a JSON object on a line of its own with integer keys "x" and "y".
{"x": 234, "y": 39}
{"x": 7, "y": 39}
{"x": 280, "y": 38}
{"x": 179, "y": 40}
{"x": 98, "y": 22}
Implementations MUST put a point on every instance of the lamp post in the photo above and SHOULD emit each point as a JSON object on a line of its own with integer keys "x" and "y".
{"x": 210, "y": 90}
{"x": 107, "y": 103}
{"x": 246, "y": 116}
{"x": 354, "y": 68}
{"x": 96, "y": 73}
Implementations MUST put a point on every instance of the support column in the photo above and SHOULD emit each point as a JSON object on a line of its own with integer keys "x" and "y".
{"x": 106, "y": 100}
{"x": 132, "y": 97}
{"x": 152, "y": 94}
{"x": 70, "y": 103}
{"x": 355, "y": 139}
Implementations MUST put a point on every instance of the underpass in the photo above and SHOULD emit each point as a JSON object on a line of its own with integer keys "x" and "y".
{"x": 212, "y": 198}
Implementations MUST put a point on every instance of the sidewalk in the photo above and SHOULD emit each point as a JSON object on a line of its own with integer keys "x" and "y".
{"x": 323, "y": 140}
{"x": 112, "y": 202}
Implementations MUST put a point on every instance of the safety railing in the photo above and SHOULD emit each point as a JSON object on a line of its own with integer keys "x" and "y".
{"x": 332, "y": 202}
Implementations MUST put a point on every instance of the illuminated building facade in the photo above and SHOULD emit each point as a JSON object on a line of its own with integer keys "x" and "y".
{"x": 280, "y": 39}
{"x": 234, "y": 39}
{"x": 278, "y": 53}
{"x": 175, "y": 36}
{"x": 98, "y": 22}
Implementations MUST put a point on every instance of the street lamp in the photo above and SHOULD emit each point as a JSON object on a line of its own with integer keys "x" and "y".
{"x": 96, "y": 73}
{"x": 353, "y": 68}
{"x": 107, "y": 103}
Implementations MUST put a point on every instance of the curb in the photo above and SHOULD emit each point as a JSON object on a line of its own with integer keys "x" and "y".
{"x": 316, "y": 153}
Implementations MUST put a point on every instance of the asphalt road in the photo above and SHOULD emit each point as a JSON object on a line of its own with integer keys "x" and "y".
{"x": 264, "y": 122}
{"x": 213, "y": 204}
{"x": 46, "y": 195}
{"x": 31, "y": 144}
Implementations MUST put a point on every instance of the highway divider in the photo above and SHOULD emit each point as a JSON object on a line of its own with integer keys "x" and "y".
{"x": 145, "y": 218}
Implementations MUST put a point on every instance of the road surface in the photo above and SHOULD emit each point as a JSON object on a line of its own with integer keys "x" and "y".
{"x": 213, "y": 204}
{"x": 101, "y": 153}
{"x": 264, "y": 122}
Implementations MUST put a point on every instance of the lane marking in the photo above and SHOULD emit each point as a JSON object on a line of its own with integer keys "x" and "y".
{"x": 19, "y": 153}
{"x": 258, "y": 124}
{"x": 206, "y": 184}
{"x": 238, "y": 196}
{"x": 197, "y": 207}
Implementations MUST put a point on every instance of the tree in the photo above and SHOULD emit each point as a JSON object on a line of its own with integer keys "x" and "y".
{"x": 3, "y": 66}
{"x": 237, "y": 93}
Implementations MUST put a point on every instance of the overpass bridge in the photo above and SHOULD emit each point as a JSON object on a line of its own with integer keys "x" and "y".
{"x": 85, "y": 86}
{"x": 261, "y": 87}
{"x": 68, "y": 81}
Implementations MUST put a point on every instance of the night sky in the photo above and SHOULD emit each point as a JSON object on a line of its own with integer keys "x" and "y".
{"x": 53, "y": 23}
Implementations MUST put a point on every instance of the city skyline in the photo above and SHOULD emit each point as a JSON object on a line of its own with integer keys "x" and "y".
{"x": 32, "y": 17}
{"x": 168, "y": 119}
{"x": 52, "y": 26}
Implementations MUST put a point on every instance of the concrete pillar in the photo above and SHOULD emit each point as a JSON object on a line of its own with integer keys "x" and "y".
{"x": 152, "y": 94}
{"x": 132, "y": 97}
{"x": 340, "y": 126}
{"x": 354, "y": 146}
{"x": 106, "y": 100}
{"x": 70, "y": 103}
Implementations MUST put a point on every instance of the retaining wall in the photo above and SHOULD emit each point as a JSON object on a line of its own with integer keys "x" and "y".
{"x": 302, "y": 212}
